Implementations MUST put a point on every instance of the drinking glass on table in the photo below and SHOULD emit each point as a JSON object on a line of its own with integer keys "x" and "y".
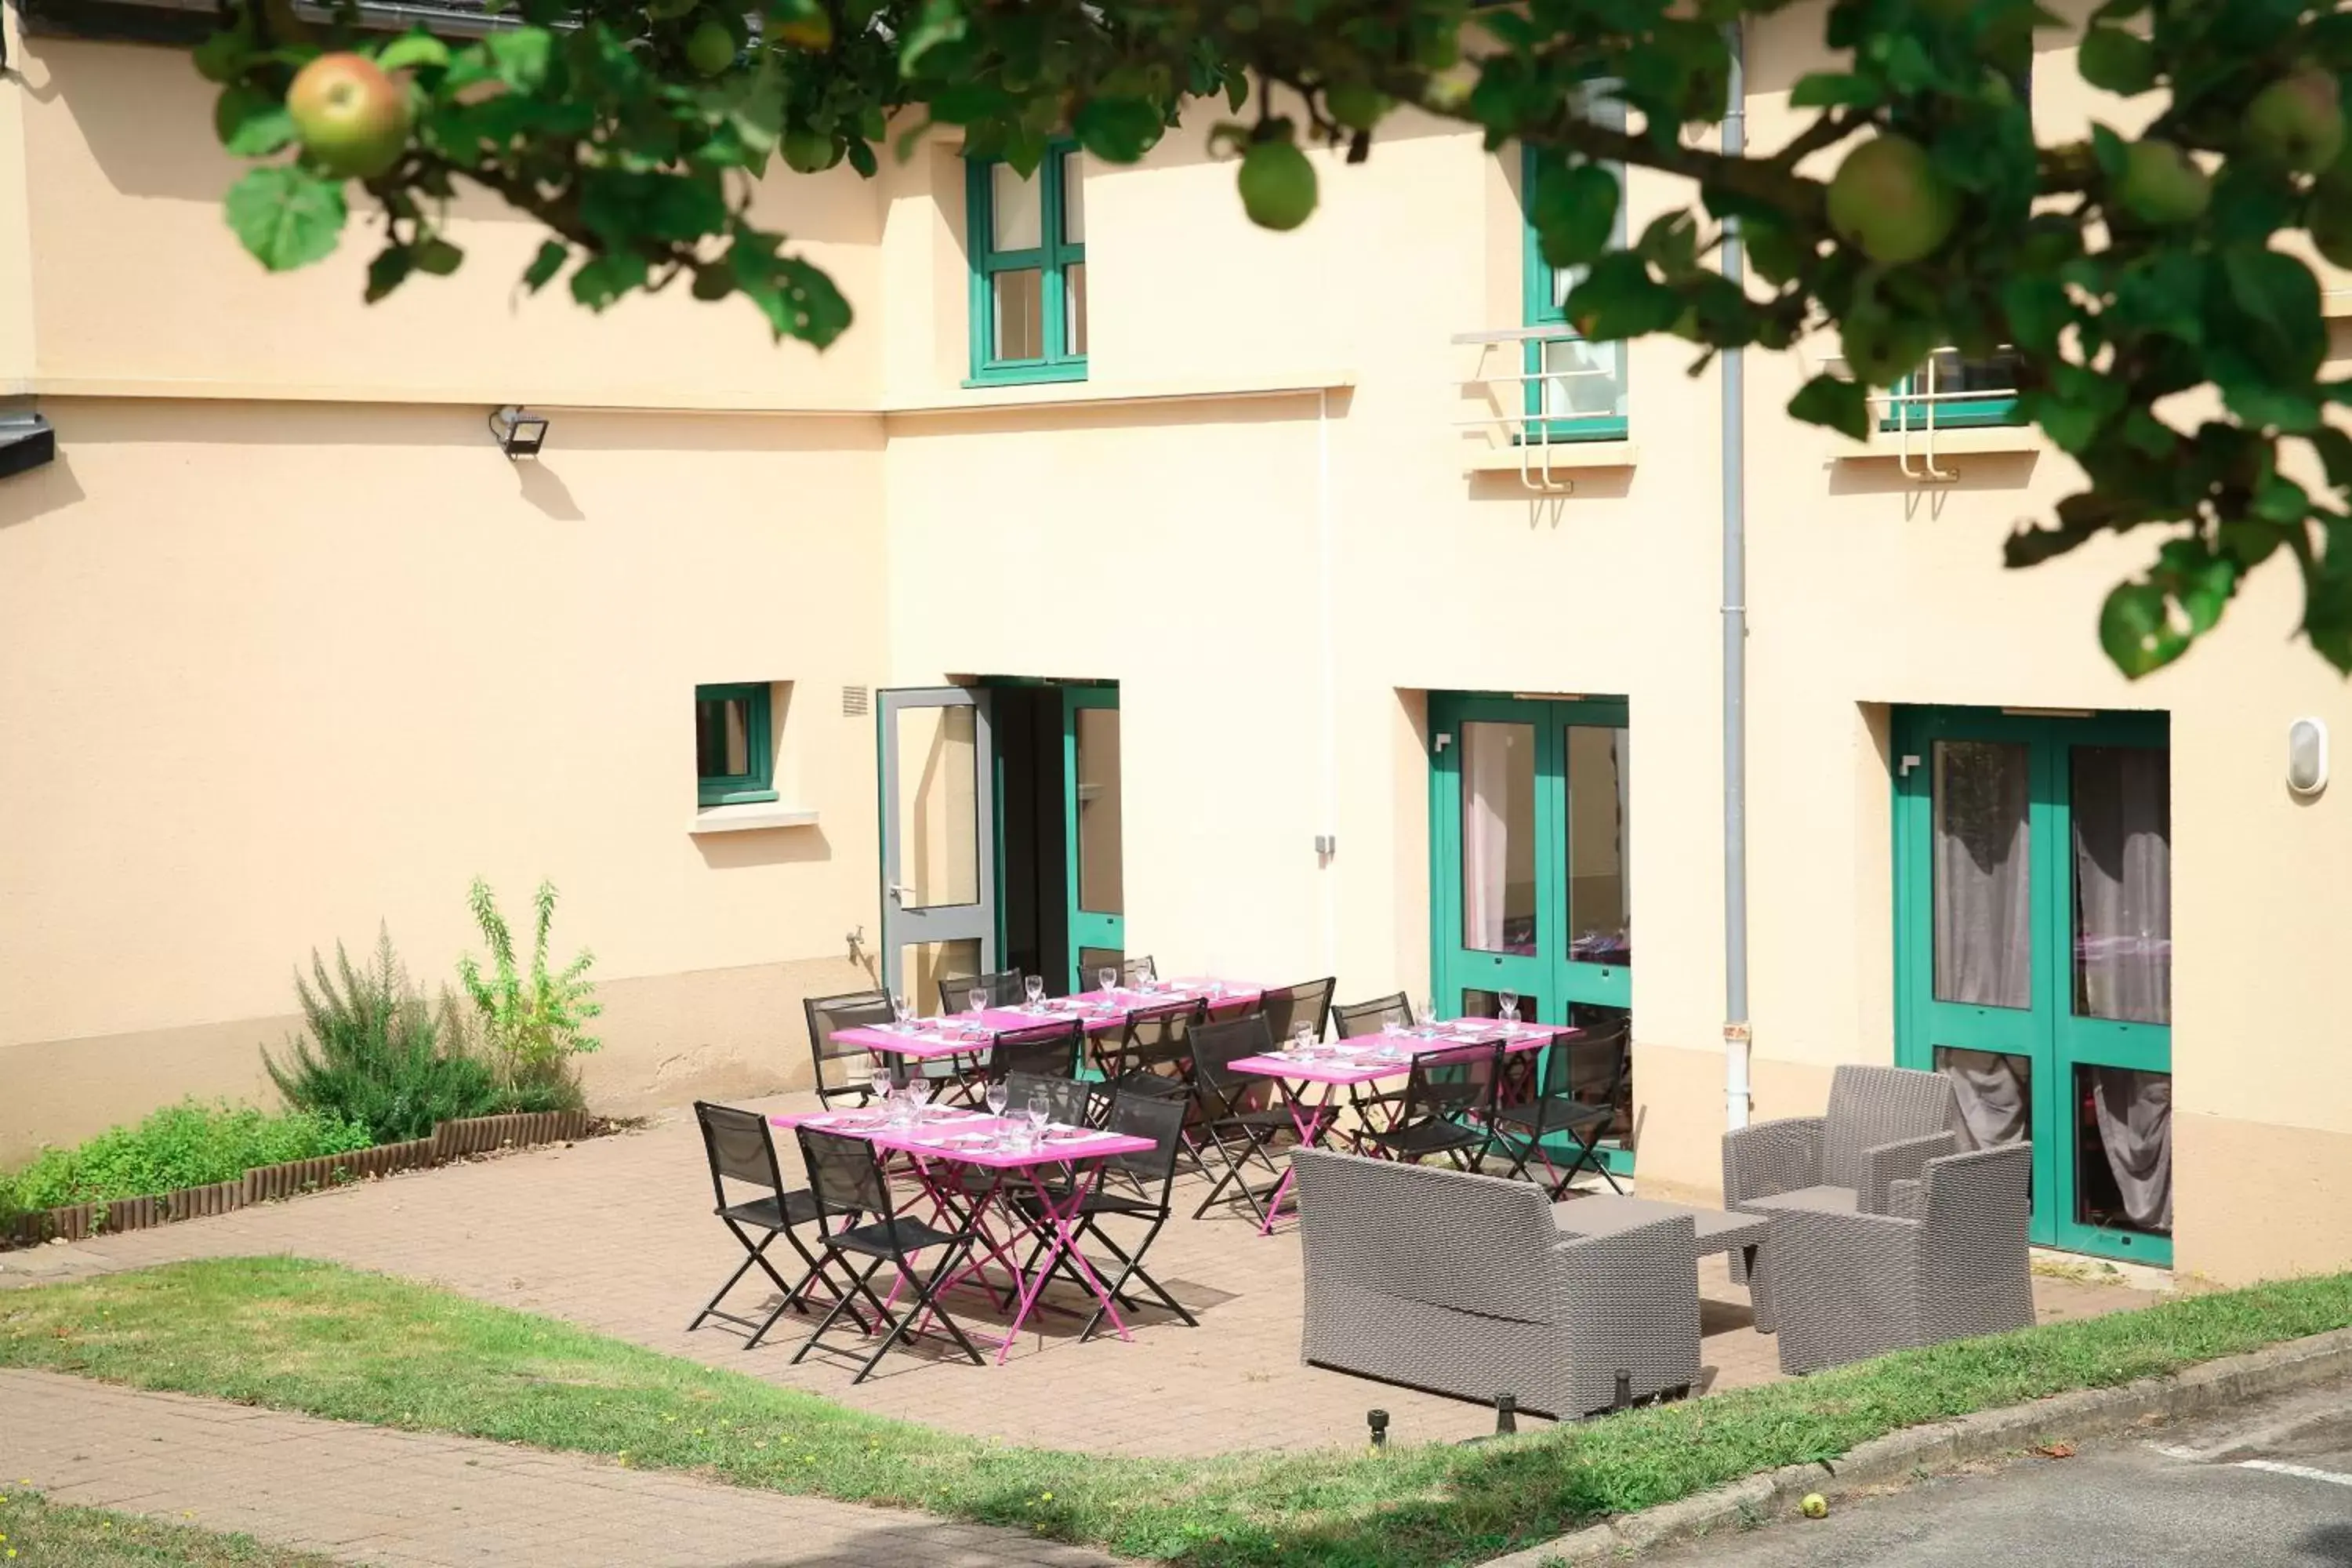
{"x": 1146, "y": 973}
{"x": 1425, "y": 1015}
{"x": 899, "y": 1011}
{"x": 1302, "y": 1039}
{"x": 998, "y": 1094}
{"x": 1034, "y": 985}
{"x": 1392, "y": 1024}
{"x": 976, "y": 998}
{"x": 1507, "y": 1007}
{"x": 1039, "y": 1111}
{"x": 878, "y": 1080}
{"x": 1109, "y": 977}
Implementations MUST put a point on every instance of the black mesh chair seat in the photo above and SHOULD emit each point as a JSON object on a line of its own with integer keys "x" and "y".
{"x": 796, "y": 1208}
{"x": 1448, "y": 1103}
{"x": 1561, "y": 1106}
{"x": 1545, "y": 1116}
{"x": 890, "y": 1238}
{"x": 1416, "y": 1139}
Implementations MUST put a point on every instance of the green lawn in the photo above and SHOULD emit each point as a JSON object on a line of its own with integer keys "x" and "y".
{"x": 363, "y": 1347}
{"x": 38, "y": 1534}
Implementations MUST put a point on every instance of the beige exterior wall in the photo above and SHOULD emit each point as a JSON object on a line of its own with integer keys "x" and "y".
{"x": 367, "y": 657}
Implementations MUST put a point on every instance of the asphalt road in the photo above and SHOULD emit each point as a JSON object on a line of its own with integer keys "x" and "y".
{"x": 2267, "y": 1486}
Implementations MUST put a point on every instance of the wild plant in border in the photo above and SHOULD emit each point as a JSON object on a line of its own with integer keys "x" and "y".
{"x": 533, "y": 1023}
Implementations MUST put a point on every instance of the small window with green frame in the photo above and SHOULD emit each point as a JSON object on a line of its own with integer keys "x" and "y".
{"x": 1577, "y": 390}
{"x": 1027, "y": 241}
{"x": 1953, "y": 392}
{"x": 734, "y": 745}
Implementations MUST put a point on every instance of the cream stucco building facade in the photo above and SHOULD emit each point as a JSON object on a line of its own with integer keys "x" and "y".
{"x": 289, "y": 647}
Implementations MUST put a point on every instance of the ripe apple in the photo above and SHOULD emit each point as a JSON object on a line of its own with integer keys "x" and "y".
{"x": 352, "y": 118}
{"x": 1278, "y": 184}
{"x": 1888, "y": 200}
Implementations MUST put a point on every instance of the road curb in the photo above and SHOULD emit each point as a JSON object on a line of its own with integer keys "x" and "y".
{"x": 1920, "y": 1450}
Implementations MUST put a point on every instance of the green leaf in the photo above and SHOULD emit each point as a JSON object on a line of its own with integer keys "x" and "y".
{"x": 861, "y": 158}
{"x": 2259, "y": 407}
{"x": 2136, "y": 630}
{"x": 940, "y": 22}
{"x": 251, "y": 123}
{"x": 2116, "y": 60}
{"x": 603, "y": 279}
{"x": 388, "y": 271}
{"x": 222, "y": 57}
{"x": 1574, "y": 212}
{"x": 412, "y": 51}
{"x": 286, "y": 216}
{"x": 1833, "y": 90}
{"x": 521, "y": 56}
{"x": 2280, "y": 500}
{"x": 1841, "y": 404}
{"x": 2039, "y": 310}
{"x": 437, "y": 257}
{"x": 2334, "y": 449}
{"x": 553, "y": 254}
{"x": 1116, "y": 130}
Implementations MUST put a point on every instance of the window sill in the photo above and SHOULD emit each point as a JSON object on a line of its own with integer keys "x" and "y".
{"x": 1950, "y": 441}
{"x": 1534, "y": 455}
{"x": 1028, "y": 395}
{"x": 751, "y": 818}
{"x": 1028, "y": 376}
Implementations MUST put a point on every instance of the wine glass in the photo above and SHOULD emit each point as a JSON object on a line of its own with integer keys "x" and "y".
{"x": 1039, "y": 1111}
{"x": 899, "y": 1011}
{"x": 1034, "y": 985}
{"x": 1507, "y": 1007}
{"x": 1425, "y": 1014}
{"x": 1107, "y": 977}
{"x": 977, "y": 999}
{"x": 998, "y": 1095}
{"x": 1392, "y": 1023}
{"x": 1147, "y": 975}
{"x": 1302, "y": 1039}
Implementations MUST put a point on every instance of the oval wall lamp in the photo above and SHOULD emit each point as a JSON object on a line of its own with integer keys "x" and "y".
{"x": 2306, "y": 756}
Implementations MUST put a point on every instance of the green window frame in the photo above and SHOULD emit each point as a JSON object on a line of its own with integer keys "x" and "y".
{"x": 1542, "y": 306}
{"x": 1059, "y": 259}
{"x": 756, "y": 783}
{"x": 1992, "y": 410}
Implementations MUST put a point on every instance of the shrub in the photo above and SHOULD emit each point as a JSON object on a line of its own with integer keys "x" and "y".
{"x": 379, "y": 1055}
{"x": 533, "y": 1023}
{"x": 183, "y": 1145}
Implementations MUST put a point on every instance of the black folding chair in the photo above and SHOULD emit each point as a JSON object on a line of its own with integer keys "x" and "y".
{"x": 1005, "y": 988}
{"x": 1069, "y": 1102}
{"x": 850, "y": 1183}
{"x": 1556, "y": 1108}
{"x": 740, "y": 1150}
{"x": 1135, "y": 1186}
{"x": 1356, "y": 1019}
{"x": 1093, "y": 961}
{"x": 1287, "y": 1006}
{"x": 1447, "y": 1109}
{"x": 1047, "y": 1050}
{"x": 1155, "y": 1043}
{"x": 1237, "y": 1116}
{"x": 845, "y": 1071}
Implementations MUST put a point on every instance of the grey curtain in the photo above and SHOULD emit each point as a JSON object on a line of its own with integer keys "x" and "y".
{"x": 1983, "y": 882}
{"x": 2122, "y": 807}
{"x": 1995, "y": 1092}
{"x": 2134, "y": 1113}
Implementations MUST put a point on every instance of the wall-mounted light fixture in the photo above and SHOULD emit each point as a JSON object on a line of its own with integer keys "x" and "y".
{"x": 25, "y": 442}
{"x": 520, "y": 434}
{"x": 2306, "y": 756}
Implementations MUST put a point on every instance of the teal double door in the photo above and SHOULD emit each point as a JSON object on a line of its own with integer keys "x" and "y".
{"x": 2033, "y": 951}
{"x": 1529, "y": 825}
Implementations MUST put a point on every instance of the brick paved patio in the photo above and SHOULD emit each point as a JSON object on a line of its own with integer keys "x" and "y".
{"x": 615, "y": 1234}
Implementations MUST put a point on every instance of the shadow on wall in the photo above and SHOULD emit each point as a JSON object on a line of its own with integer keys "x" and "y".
{"x": 39, "y": 491}
{"x": 1973, "y": 471}
{"x": 90, "y": 421}
{"x": 764, "y": 846}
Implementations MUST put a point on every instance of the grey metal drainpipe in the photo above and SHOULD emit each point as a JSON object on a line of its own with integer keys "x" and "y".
{"x": 1736, "y": 1086}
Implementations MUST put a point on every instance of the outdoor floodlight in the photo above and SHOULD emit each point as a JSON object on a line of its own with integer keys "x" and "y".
{"x": 521, "y": 435}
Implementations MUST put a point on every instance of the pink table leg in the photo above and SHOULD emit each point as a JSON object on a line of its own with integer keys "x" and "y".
{"x": 1311, "y": 1121}
{"x": 1061, "y": 1243}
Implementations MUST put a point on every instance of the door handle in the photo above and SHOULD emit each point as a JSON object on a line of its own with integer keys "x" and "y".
{"x": 899, "y": 891}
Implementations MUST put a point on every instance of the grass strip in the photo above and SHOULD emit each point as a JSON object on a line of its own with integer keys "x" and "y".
{"x": 37, "y": 1533}
{"x": 355, "y": 1346}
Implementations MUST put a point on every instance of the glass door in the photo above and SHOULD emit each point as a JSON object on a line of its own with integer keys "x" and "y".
{"x": 2033, "y": 953}
{"x": 1529, "y": 829}
{"x": 1090, "y": 796}
{"x": 939, "y": 872}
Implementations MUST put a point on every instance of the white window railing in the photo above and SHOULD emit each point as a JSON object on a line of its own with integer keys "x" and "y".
{"x": 1536, "y": 406}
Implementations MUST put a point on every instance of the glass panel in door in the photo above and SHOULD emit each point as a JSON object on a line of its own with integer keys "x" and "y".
{"x": 1983, "y": 874}
{"x": 939, "y": 883}
{"x": 1500, "y": 907}
{"x": 1599, "y": 897}
{"x": 1094, "y": 826}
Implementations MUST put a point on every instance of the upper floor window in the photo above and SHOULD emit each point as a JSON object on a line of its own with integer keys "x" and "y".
{"x": 1577, "y": 389}
{"x": 734, "y": 745}
{"x": 1028, "y": 247}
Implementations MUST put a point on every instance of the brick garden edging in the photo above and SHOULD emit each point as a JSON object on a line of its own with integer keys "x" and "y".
{"x": 1919, "y": 1451}
{"x": 268, "y": 1183}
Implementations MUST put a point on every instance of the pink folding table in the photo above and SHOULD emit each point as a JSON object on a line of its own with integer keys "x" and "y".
{"x": 1311, "y": 1084}
{"x": 1102, "y": 1013}
{"x": 943, "y": 1139}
